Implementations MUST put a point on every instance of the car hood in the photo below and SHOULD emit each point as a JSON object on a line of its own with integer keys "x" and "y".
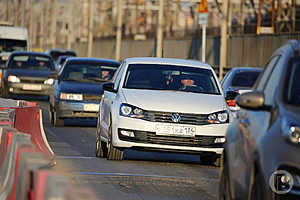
{"x": 174, "y": 101}
{"x": 29, "y": 73}
{"x": 80, "y": 87}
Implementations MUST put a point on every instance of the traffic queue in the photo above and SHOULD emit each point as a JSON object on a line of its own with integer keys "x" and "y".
{"x": 249, "y": 123}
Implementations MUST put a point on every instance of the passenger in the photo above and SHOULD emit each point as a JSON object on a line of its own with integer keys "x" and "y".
{"x": 105, "y": 75}
{"x": 19, "y": 64}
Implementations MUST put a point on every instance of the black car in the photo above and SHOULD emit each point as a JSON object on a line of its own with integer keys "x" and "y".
{"x": 55, "y": 53}
{"x": 77, "y": 90}
{"x": 261, "y": 154}
{"x": 27, "y": 73}
{"x": 60, "y": 61}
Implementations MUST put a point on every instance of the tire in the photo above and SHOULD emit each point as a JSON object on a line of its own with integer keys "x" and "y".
{"x": 210, "y": 160}
{"x": 112, "y": 152}
{"x": 256, "y": 188}
{"x": 101, "y": 148}
{"x": 224, "y": 186}
{"x": 56, "y": 120}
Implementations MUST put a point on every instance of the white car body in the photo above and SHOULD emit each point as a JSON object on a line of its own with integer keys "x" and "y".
{"x": 160, "y": 101}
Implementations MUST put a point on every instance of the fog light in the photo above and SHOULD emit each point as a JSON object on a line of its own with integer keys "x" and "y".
{"x": 220, "y": 140}
{"x": 127, "y": 133}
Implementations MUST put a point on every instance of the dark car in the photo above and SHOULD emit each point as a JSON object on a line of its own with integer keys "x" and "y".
{"x": 55, "y": 53}
{"x": 239, "y": 80}
{"x": 60, "y": 62}
{"x": 27, "y": 73}
{"x": 78, "y": 89}
{"x": 261, "y": 153}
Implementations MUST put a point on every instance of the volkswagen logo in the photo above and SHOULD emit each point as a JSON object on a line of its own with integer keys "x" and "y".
{"x": 175, "y": 118}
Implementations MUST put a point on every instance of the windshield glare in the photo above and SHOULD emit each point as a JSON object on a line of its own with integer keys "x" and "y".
{"x": 91, "y": 72}
{"x": 170, "y": 77}
{"x": 7, "y": 45}
{"x": 293, "y": 89}
{"x": 34, "y": 62}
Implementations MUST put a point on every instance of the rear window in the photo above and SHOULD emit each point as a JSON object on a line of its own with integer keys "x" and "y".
{"x": 245, "y": 79}
{"x": 34, "y": 62}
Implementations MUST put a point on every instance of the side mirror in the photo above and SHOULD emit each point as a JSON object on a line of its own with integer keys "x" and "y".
{"x": 231, "y": 95}
{"x": 252, "y": 101}
{"x": 109, "y": 86}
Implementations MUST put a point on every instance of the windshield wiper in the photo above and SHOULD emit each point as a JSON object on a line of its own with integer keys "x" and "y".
{"x": 74, "y": 79}
{"x": 97, "y": 79}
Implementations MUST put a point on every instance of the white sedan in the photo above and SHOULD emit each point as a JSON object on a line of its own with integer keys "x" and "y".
{"x": 162, "y": 104}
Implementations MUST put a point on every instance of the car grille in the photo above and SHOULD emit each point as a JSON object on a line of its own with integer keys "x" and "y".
{"x": 92, "y": 97}
{"x": 166, "y": 117}
{"x": 32, "y": 80}
{"x": 152, "y": 138}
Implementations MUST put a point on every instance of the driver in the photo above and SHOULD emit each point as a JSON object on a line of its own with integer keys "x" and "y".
{"x": 105, "y": 74}
{"x": 187, "y": 81}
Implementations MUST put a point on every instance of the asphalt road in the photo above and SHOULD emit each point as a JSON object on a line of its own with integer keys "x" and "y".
{"x": 140, "y": 176}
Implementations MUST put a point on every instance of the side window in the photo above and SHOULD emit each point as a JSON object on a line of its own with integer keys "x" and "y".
{"x": 118, "y": 77}
{"x": 272, "y": 84}
{"x": 266, "y": 73}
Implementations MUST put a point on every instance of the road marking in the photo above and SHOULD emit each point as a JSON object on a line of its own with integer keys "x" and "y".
{"x": 74, "y": 157}
{"x": 127, "y": 174}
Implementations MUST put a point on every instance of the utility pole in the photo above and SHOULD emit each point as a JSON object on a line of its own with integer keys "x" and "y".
{"x": 91, "y": 23}
{"x": 31, "y": 17}
{"x": 53, "y": 23}
{"x": 119, "y": 30}
{"x": 42, "y": 23}
{"x": 70, "y": 25}
{"x": 22, "y": 12}
{"x": 8, "y": 4}
{"x": 160, "y": 29}
{"x": 223, "y": 50}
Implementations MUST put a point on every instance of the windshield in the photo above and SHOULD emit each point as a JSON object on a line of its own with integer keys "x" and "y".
{"x": 170, "y": 77}
{"x": 245, "y": 79}
{"x": 293, "y": 90}
{"x": 7, "y": 45}
{"x": 88, "y": 72}
{"x": 34, "y": 62}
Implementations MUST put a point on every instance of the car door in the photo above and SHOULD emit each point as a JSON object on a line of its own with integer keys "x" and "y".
{"x": 107, "y": 101}
{"x": 250, "y": 125}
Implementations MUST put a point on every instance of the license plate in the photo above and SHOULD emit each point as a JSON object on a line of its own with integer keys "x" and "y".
{"x": 91, "y": 107}
{"x": 32, "y": 87}
{"x": 175, "y": 130}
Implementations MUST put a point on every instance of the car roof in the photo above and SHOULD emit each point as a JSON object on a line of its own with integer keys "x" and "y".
{"x": 29, "y": 53}
{"x": 247, "y": 69}
{"x": 85, "y": 59}
{"x": 168, "y": 61}
{"x": 60, "y": 50}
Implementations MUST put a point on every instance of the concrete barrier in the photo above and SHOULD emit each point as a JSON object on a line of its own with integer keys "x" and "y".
{"x": 28, "y": 120}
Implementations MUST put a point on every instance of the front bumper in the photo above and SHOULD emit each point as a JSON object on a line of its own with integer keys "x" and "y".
{"x": 28, "y": 89}
{"x": 82, "y": 109}
{"x": 146, "y": 137}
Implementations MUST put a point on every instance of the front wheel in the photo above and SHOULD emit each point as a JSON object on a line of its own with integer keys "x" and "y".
{"x": 56, "y": 120}
{"x": 210, "y": 160}
{"x": 224, "y": 183}
{"x": 101, "y": 148}
{"x": 112, "y": 152}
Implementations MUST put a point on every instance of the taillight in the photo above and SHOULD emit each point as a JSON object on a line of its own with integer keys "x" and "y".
{"x": 230, "y": 102}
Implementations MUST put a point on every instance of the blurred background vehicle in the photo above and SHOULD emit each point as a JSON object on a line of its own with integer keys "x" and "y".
{"x": 60, "y": 61}
{"x": 77, "y": 90}
{"x": 162, "y": 104}
{"x": 261, "y": 154}
{"x": 56, "y": 53}
{"x": 239, "y": 80}
{"x": 27, "y": 73}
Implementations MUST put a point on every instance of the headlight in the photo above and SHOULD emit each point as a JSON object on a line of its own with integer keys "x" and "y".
{"x": 291, "y": 132}
{"x": 49, "y": 81}
{"x": 13, "y": 79}
{"x": 127, "y": 110}
{"x": 220, "y": 140}
{"x": 66, "y": 96}
{"x": 219, "y": 117}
